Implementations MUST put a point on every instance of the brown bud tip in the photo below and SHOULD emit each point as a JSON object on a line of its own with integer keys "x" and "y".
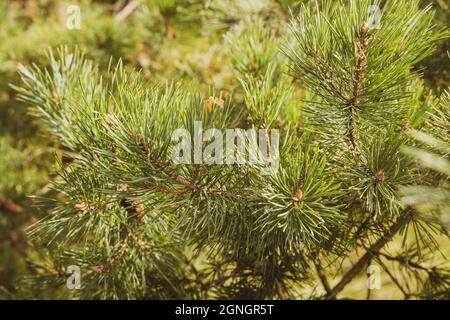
{"x": 211, "y": 101}
{"x": 82, "y": 206}
{"x": 109, "y": 118}
{"x": 123, "y": 187}
{"x": 298, "y": 196}
{"x": 363, "y": 27}
{"x": 209, "y": 104}
{"x": 141, "y": 243}
{"x": 139, "y": 209}
{"x": 379, "y": 177}
{"x": 224, "y": 94}
{"x": 406, "y": 126}
{"x": 99, "y": 269}
{"x": 55, "y": 96}
{"x": 362, "y": 201}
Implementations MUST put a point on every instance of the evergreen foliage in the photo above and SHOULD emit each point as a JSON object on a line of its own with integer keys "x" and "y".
{"x": 363, "y": 152}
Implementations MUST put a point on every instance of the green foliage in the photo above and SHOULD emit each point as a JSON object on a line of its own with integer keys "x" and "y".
{"x": 358, "y": 70}
{"x": 431, "y": 199}
{"x": 344, "y": 93}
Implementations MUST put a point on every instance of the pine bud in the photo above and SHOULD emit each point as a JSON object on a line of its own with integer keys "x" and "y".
{"x": 140, "y": 242}
{"x": 363, "y": 27}
{"x": 362, "y": 201}
{"x": 55, "y": 96}
{"x": 135, "y": 208}
{"x": 109, "y": 118}
{"x": 406, "y": 126}
{"x": 82, "y": 206}
{"x": 298, "y": 196}
{"x": 224, "y": 94}
{"x": 213, "y": 101}
{"x": 99, "y": 269}
{"x": 139, "y": 208}
{"x": 141, "y": 141}
{"x": 379, "y": 177}
{"x": 123, "y": 187}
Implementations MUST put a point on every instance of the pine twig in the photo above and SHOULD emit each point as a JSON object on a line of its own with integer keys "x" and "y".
{"x": 323, "y": 278}
{"x": 369, "y": 289}
{"x": 354, "y": 271}
{"x": 125, "y": 12}
{"x": 357, "y": 82}
{"x": 112, "y": 261}
{"x": 394, "y": 279}
{"x": 10, "y": 206}
{"x": 403, "y": 261}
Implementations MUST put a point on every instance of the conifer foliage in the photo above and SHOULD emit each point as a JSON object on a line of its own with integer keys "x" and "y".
{"x": 361, "y": 162}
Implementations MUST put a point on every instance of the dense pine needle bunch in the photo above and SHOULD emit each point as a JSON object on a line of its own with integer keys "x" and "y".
{"x": 358, "y": 149}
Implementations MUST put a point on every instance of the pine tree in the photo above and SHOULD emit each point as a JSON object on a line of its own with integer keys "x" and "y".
{"x": 340, "y": 83}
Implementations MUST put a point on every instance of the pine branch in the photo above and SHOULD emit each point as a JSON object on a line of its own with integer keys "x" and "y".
{"x": 10, "y": 206}
{"x": 323, "y": 278}
{"x": 402, "y": 260}
{"x": 362, "y": 262}
{"x": 353, "y": 102}
{"x": 394, "y": 279}
{"x": 127, "y": 10}
{"x": 112, "y": 261}
{"x": 369, "y": 289}
{"x": 122, "y": 210}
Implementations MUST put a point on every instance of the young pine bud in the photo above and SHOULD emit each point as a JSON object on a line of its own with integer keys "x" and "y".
{"x": 298, "y": 196}
{"x": 379, "y": 177}
{"x": 55, "y": 96}
{"x": 406, "y": 126}
{"x": 363, "y": 27}
{"x": 109, "y": 118}
{"x": 122, "y": 187}
{"x": 134, "y": 208}
{"x": 83, "y": 207}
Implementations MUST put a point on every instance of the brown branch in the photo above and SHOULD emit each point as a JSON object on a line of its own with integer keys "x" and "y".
{"x": 323, "y": 278}
{"x": 369, "y": 290}
{"x": 118, "y": 5}
{"x": 111, "y": 262}
{"x": 279, "y": 11}
{"x": 325, "y": 74}
{"x": 125, "y": 12}
{"x": 169, "y": 172}
{"x": 361, "y": 64}
{"x": 10, "y": 206}
{"x": 351, "y": 130}
{"x": 403, "y": 261}
{"x": 160, "y": 165}
{"x": 355, "y": 270}
{"x": 393, "y": 278}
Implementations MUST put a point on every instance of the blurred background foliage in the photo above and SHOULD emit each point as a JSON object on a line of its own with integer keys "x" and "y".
{"x": 169, "y": 40}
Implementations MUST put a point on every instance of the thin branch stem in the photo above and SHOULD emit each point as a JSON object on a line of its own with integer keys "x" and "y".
{"x": 403, "y": 261}
{"x": 393, "y": 278}
{"x": 361, "y": 64}
{"x": 125, "y": 12}
{"x": 355, "y": 270}
{"x": 323, "y": 278}
{"x": 10, "y": 206}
